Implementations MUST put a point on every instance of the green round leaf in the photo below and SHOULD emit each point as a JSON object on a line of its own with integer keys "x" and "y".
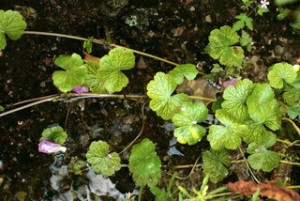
{"x": 91, "y": 80}
{"x": 261, "y": 158}
{"x": 110, "y": 69}
{"x": 160, "y": 91}
{"x": 101, "y": 160}
{"x": 220, "y": 46}
{"x": 186, "y": 120}
{"x": 54, "y": 134}
{"x": 11, "y": 24}
{"x": 263, "y": 107}
{"x": 228, "y": 136}
{"x": 281, "y": 72}
{"x": 118, "y": 59}
{"x": 255, "y": 133}
{"x": 145, "y": 164}
{"x": 215, "y": 164}
{"x": 73, "y": 75}
{"x": 235, "y": 99}
{"x": 188, "y": 71}
{"x": 292, "y": 96}
{"x": 264, "y": 160}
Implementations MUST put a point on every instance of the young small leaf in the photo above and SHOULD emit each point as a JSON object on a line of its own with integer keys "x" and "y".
{"x": 101, "y": 160}
{"x": 111, "y": 67}
{"x": 281, "y": 72}
{"x": 220, "y": 46}
{"x": 243, "y": 20}
{"x": 88, "y": 44}
{"x": 2, "y": 108}
{"x": 228, "y": 136}
{"x": 160, "y": 194}
{"x": 261, "y": 10}
{"x": 263, "y": 108}
{"x": 215, "y": 164}
{"x": 188, "y": 71}
{"x": 11, "y": 24}
{"x": 54, "y": 134}
{"x": 188, "y": 131}
{"x": 91, "y": 80}
{"x": 145, "y": 164}
{"x": 261, "y": 158}
{"x": 235, "y": 99}
{"x": 246, "y": 40}
{"x": 73, "y": 75}
{"x": 160, "y": 91}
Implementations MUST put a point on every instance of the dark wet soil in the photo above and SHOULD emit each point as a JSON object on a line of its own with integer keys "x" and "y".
{"x": 177, "y": 31}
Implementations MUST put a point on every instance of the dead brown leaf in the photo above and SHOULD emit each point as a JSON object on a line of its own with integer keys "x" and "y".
{"x": 88, "y": 57}
{"x": 269, "y": 190}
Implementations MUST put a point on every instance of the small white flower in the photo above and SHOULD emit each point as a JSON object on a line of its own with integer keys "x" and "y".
{"x": 264, "y": 4}
{"x": 183, "y": 109}
{"x": 296, "y": 67}
{"x": 194, "y": 122}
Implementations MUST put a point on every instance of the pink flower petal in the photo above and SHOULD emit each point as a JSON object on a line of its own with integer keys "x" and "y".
{"x": 230, "y": 82}
{"x": 81, "y": 89}
{"x": 50, "y": 147}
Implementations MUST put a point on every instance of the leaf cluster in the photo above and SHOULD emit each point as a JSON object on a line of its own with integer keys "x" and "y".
{"x": 160, "y": 90}
{"x": 103, "y": 76}
{"x": 144, "y": 163}
{"x": 185, "y": 114}
{"x": 286, "y": 78}
{"x": 248, "y": 113}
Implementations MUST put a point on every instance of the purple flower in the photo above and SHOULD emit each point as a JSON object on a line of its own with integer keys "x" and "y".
{"x": 230, "y": 82}
{"x": 81, "y": 89}
{"x": 50, "y": 147}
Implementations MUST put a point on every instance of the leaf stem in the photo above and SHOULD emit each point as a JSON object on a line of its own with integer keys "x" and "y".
{"x": 185, "y": 166}
{"x": 100, "y": 42}
{"x": 293, "y": 124}
{"x": 247, "y": 164}
{"x": 290, "y": 162}
{"x": 290, "y": 144}
{"x": 28, "y": 105}
{"x": 140, "y": 193}
{"x": 71, "y": 97}
{"x": 239, "y": 161}
{"x": 202, "y": 98}
{"x": 32, "y": 100}
{"x": 293, "y": 187}
{"x": 140, "y": 133}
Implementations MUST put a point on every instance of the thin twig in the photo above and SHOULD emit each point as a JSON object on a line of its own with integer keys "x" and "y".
{"x": 187, "y": 166}
{"x": 249, "y": 168}
{"x": 293, "y": 124}
{"x": 32, "y": 100}
{"x": 71, "y": 97}
{"x": 28, "y": 105}
{"x": 100, "y": 42}
{"x": 140, "y": 133}
{"x": 290, "y": 163}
